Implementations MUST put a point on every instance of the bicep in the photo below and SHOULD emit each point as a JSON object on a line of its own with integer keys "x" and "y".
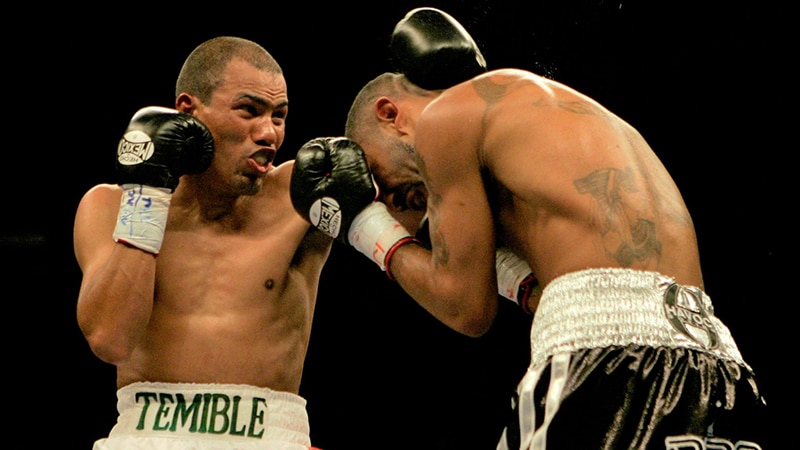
{"x": 93, "y": 228}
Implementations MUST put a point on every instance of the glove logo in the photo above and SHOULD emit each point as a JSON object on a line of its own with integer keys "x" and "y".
{"x": 326, "y": 215}
{"x": 135, "y": 147}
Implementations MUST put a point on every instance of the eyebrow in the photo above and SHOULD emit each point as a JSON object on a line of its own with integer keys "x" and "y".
{"x": 262, "y": 101}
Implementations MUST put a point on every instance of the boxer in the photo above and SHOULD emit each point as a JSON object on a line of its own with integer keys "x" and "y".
{"x": 626, "y": 349}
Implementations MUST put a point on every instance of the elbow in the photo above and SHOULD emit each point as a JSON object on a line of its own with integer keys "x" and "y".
{"x": 476, "y": 321}
{"x": 475, "y": 326}
{"x": 469, "y": 310}
{"x": 107, "y": 347}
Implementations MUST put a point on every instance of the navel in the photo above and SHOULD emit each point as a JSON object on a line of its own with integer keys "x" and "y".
{"x": 270, "y": 284}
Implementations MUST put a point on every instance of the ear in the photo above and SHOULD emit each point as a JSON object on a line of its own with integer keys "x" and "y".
{"x": 387, "y": 112}
{"x": 185, "y": 103}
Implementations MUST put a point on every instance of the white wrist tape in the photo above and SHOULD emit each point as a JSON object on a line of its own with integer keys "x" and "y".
{"x": 374, "y": 232}
{"x": 512, "y": 271}
{"x": 142, "y": 216}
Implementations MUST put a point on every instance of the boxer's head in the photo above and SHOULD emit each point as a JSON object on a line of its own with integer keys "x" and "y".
{"x": 382, "y": 120}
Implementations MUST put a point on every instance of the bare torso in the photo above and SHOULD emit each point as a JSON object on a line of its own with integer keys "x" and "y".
{"x": 577, "y": 187}
{"x": 234, "y": 297}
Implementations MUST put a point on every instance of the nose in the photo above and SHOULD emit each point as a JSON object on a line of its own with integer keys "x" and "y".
{"x": 266, "y": 132}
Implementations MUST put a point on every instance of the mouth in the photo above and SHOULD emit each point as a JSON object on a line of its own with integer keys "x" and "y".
{"x": 262, "y": 159}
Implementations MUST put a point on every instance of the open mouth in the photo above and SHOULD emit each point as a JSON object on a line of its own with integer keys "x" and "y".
{"x": 263, "y": 158}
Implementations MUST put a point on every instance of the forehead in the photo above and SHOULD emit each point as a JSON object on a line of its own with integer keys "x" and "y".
{"x": 240, "y": 77}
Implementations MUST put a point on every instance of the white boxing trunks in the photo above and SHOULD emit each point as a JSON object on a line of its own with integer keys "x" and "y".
{"x": 166, "y": 416}
{"x": 630, "y": 359}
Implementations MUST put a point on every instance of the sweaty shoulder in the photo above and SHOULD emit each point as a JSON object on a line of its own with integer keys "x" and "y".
{"x": 278, "y": 180}
{"x": 94, "y": 222}
{"x": 478, "y": 98}
{"x": 101, "y": 194}
{"x": 472, "y": 111}
{"x": 283, "y": 171}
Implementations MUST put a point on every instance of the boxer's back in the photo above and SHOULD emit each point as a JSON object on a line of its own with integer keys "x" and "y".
{"x": 576, "y": 186}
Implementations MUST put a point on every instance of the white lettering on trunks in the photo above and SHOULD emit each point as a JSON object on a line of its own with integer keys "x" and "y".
{"x": 689, "y": 442}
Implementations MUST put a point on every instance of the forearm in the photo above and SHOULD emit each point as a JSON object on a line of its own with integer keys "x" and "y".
{"x": 115, "y": 303}
{"x": 445, "y": 296}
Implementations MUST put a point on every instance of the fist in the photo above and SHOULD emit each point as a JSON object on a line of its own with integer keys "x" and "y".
{"x": 331, "y": 182}
{"x": 160, "y": 145}
{"x": 433, "y": 50}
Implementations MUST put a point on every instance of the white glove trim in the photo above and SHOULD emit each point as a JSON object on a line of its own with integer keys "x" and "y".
{"x": 374, "y": 232}
{"x": 515, "y": 279}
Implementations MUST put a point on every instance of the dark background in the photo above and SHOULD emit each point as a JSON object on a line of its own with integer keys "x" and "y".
{"x": 708, "y": 86}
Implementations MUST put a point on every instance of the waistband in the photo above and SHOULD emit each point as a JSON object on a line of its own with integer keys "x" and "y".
{"x": 608, "y": 307}
{"x": 211, "y": 412}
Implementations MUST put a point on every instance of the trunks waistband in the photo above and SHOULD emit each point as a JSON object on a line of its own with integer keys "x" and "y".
{"x": 597, "y": 308}
{"x": 211, "y": 412}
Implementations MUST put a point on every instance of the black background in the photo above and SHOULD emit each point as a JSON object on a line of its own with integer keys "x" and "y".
{"x": 708, "y": 85}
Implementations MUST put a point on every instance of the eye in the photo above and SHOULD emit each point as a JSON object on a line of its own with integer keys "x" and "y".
{"x": 249, "y": 110}
{"x": 399, "y": 201}
{"x": 279, "y": 114}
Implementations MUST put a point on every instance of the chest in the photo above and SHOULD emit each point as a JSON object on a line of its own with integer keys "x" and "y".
{"x": 208, "y": 267}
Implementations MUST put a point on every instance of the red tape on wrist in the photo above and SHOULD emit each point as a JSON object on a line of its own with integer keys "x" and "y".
{"x": 390, "y": 253}
{"x": 524, "y": 293}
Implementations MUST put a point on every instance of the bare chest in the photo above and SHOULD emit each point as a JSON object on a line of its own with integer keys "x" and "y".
{"x": 216, "y": 269}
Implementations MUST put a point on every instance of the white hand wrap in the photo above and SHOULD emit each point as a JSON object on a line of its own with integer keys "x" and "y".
{"x": 142, "y": 216}
{"x": 515, "y": 279}
{"x": 376, "y": 234}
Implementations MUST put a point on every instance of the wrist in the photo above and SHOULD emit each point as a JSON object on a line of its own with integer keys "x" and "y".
{"x": 374, "y": 232}
{"x": 404, "y": 241}
{"x": 142, "y": 216}
{"x": 515, "y": 280}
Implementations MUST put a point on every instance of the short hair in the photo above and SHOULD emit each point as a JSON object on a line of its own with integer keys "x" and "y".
{"x": 361, "y": 125}
{"x": 203, "y": 68}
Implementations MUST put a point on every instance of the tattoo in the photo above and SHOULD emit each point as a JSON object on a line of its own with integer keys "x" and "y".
{"x": 580, "y": 107}
{"x": 489, "y": 90}
{"x": 442, "y": 254}
{"x": 626, "y": 235}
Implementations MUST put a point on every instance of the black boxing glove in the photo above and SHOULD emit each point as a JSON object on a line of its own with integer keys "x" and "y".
{"x": 433, "y": 50}
{"x": 159, "y": 145}
{"x": 331, "y": 183}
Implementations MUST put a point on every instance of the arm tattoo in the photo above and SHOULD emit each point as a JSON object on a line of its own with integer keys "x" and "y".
{"x": 626, "y": 235}
{"x": 442, "y": 254}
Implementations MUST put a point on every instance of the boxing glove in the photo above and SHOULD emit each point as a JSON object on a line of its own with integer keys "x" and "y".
{"x": 433, "y": 50}
{"x": 330, "y": 183}
{"x": 159, "y": 145}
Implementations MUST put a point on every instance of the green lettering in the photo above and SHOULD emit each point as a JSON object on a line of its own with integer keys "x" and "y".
{"x": 146, "y": 396}
{"x": 224, "y": 400}
{"x": 163, "y": 410}
{"x": 256, "y": 415}
{"x": 235, "y": 417}
{"x": 204, "y": 421}
{"x": 182, "y": 412}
